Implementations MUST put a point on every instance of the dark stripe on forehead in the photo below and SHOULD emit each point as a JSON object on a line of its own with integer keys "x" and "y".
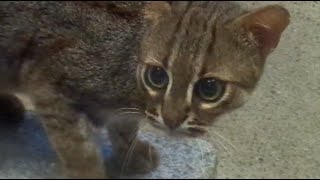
{"x": 189, "y": 47}
{"x": 195, "y": 36}
{"x": 209, "y": 38}
{"x": 185, "y": 48}
{"x": 210, "y": 45}
{"x": 176, "y": 30}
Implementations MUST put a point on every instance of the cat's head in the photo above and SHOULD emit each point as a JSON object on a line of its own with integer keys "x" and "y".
{"x": 198, "y": 63}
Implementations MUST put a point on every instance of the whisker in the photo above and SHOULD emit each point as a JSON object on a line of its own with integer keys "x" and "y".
{"x": 197, "y": 129}
{"x": 130, "y": 112}
{"x": 200, "y": 149}
{"x": 121, "y": 109}
{"x": 224, "y": 147}
{"x": 130, "y": 151}
{"x": 201, "y": 152}
{"x": 219, "y": 142}
{"x": 143, "y": 126}
{"x": 128, "y": 155}
{"x": 150, "y": 114}
{"x": 117, "y": 113}
{"x": 215, "y": 126}
{"x": 207, "y": 148}
{"x": 223, "y": 138}
{"x": 150, "y": 156}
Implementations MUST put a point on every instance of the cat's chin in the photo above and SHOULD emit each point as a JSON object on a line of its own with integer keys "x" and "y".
{"x": 157, "y": 127}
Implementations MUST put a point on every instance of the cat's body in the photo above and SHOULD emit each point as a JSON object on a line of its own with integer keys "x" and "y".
{"x": 72, "y": 57}
{"x": 81, "y": 49}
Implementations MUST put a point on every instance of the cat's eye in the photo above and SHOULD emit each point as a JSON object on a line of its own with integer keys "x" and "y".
{"x": 156, "y": 77}
{"x": 209, "y": 89}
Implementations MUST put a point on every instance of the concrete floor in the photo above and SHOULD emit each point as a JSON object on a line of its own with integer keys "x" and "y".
{"x": 277, "y": 133}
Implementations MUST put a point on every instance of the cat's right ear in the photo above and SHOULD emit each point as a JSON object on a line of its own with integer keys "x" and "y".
{"x": 263, "y": 27}
{"x": 155, "y": 10}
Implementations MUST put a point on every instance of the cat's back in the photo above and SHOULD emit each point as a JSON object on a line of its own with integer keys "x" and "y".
{"x": 87, "y": 47}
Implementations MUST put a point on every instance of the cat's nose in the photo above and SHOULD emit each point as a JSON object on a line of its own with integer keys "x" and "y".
{"x": 174, "y": 112}
{"x": 173, "y": 120}
{"x": 172, "y": 124}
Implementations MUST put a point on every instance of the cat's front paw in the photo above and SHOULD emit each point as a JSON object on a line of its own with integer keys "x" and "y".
{"x": 140, "y": 158}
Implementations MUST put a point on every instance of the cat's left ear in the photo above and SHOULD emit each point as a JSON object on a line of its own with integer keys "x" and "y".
{"x": 264, "y": 26}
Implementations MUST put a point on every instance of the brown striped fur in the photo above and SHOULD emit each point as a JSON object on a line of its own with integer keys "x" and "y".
{"x": 89, "y": 57}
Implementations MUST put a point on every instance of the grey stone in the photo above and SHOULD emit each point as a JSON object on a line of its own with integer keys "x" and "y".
{"x": 26, "y": 153}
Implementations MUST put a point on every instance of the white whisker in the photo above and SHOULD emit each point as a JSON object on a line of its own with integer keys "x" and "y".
{"x": 201, "y": 152}
{"x": 223, "y": 138}
{"x": 120, "y": 109}
{"x": 224, "y": 147}
{"x": 207, "y": 148}
{"x": 128, "y": 155}
{"x": 129, "y": 112}
{"x": 150, "y": 115}
{"x": 150, "y": 155}
{"x": 142, "y": 127}
{"x": 119, "y": 112}
{"x": 219, "y": 142}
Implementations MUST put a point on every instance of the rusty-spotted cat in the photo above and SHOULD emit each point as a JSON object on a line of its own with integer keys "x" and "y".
{"x": 181, "y": 64}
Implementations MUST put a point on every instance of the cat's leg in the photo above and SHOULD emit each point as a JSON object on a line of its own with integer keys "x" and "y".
{"x": 70, "y": 137}
{"x": 132, "y": 156}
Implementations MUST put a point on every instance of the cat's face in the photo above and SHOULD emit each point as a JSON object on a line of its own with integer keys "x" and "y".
{"x": 196, "y": 66}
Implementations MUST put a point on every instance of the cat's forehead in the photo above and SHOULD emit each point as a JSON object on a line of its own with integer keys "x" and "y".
{"x": 186, "y": 22}
{"x": 180, "y": 38}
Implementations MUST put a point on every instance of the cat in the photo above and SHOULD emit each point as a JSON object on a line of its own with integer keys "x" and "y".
{"x": 180, "y": 63}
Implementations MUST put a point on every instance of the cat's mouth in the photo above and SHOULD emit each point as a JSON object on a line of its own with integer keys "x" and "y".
{"x": 187, "y": 129}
